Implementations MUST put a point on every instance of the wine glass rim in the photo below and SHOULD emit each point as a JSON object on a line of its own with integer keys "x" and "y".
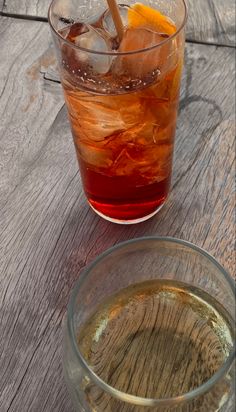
{"x": 117, "y": 53}
{"x": 122, "y": 396}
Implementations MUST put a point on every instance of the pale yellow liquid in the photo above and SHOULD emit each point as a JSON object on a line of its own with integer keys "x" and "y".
{"x": 157, "y": 339}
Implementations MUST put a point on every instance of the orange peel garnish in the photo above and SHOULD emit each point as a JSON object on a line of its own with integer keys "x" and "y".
{"x": 140, "y": 15}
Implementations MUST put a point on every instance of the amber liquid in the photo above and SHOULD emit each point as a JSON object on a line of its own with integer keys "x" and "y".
{"x": 119, "y": 197}
{"x": 123, "y": 131}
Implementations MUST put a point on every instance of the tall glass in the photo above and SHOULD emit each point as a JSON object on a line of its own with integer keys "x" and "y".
{"x": 122, "y": 100}
{"x": 150, "y": 328}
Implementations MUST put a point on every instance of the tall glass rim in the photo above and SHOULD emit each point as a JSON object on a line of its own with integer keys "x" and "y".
{"x": 122, "y": 396}
{"x": 116, "y": 53}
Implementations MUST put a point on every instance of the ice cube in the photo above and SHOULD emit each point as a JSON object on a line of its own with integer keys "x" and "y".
{"x": 148, "y": 62}
{"x": 95, "y": 120}
{"x": 94, "y": 41}
{"x": 95, "y": 155}
{"x": 65, "y": 31}
{"x": 76, "y": 30}
{"x": 123, "y": 164}
{"x": 108, "y": 23}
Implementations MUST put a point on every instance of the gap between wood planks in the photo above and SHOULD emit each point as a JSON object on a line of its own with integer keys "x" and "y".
{"x": 45, "y": 20}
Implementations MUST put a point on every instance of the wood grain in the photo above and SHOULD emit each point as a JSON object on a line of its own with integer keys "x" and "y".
{"x": 211, "y": 21}
{"x": 47, "y": 231}
{"x": 30, "y": 314}
{"x": 26, "y": 7}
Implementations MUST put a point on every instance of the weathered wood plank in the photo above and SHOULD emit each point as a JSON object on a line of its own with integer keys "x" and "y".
{"x": 47, "y": 231}
{"x": 208, "y": 21}
{"x": 30, "y": 326}
{"x": 211, "y": 21}
{"x": 27, "y": 7}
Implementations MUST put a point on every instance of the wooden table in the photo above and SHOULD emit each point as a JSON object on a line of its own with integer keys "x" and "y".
{"x": 47, "y": 231}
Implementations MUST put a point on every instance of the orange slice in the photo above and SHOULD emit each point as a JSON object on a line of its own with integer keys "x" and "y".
{"x": 140, "y": 15}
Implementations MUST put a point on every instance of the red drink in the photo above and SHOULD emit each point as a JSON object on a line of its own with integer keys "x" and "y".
{"x": 123, "y": 109}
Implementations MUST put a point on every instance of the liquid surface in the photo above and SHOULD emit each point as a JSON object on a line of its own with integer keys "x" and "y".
{"x": 158, "y": 339}
{"x": 123, "y": 111}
